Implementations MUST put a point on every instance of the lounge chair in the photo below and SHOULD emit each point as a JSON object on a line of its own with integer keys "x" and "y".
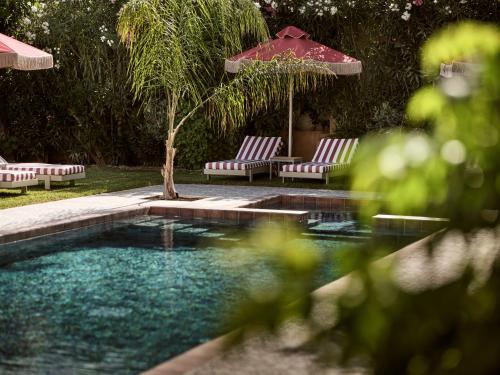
{"x": 16, "y": 179}
{"x": 47, "y": 172}
{"x": 332, "y": 155}
{"x": 252, "y": 158}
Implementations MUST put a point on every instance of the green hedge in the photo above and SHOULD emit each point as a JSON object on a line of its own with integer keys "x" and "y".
{"x": 82, "y": 111}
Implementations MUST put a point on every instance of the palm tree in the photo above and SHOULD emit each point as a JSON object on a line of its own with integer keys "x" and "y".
{"x": 177, "y": 49}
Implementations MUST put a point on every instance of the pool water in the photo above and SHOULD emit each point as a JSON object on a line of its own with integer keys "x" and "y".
{"x": 336, "y": 222}
{"x": 120, "y": 299}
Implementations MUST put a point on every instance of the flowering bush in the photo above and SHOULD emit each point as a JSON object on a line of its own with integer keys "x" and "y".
{"x": 9, "y": 11}
{"x": 86, "y": 107}
{"x": 55, "y": 24}
{"x": 400, "y": 8}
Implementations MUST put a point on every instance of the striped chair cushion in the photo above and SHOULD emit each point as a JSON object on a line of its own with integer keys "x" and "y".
{"x": 46, "y": 169}
{"x": 313, "y": 167}
{"x": 335, "y": 151}
{"x": 259, "y": 148}
{"x": 11, "y": 176}
{"x": 234, "y": 165}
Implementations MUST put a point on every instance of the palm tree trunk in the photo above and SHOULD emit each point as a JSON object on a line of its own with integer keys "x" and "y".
{"x": 168, "y": 169}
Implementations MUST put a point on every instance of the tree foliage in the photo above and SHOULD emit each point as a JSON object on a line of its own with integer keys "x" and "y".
{"x": 179, "y": 46}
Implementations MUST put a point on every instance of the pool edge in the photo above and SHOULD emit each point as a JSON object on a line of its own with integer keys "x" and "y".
{"x": 66, "y": 225}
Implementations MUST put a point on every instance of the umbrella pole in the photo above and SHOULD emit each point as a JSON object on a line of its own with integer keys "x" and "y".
{"x": 290, "y": 117}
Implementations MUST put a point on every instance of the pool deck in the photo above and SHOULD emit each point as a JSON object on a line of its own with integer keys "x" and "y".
{"x": 33, "y": 218}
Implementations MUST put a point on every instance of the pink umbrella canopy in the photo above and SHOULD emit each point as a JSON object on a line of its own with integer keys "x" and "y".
{"x": 296, "y": 41}
{"x": 292, "y": 40}
{"x": 18, "y": 55}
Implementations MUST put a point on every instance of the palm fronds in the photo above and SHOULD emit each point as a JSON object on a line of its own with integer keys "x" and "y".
{"x": 265, "y": 85}
{"x": 179, "y": 46}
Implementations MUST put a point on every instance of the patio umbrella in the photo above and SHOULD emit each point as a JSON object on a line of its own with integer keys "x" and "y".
{"x": 17, "y": 55}
{"x": 296, "y": 41}
{"x": 458, "y": 68}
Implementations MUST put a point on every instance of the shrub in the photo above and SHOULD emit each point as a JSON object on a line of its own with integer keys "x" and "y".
{"x": 82, "y": 110}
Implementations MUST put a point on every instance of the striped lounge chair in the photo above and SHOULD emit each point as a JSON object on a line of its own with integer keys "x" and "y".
{"x": 252, "y": 158}
{"x": 16, "y": 179}
{"x": 47, "y": 172}
{"x": 332, "y": 155}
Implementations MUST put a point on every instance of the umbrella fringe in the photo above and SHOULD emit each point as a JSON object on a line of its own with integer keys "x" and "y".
{"x": 18, "y": 55}
{"x": 34, "y": 63}
{"x": 347, "y": 68}
{"x": 457, "y": 67}
{"x": 7, "y": 60}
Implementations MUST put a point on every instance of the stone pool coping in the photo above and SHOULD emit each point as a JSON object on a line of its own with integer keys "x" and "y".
{"x": 234, "y": 210}
{"x": 66, "y": 225}
{"x": 233, "y": 203}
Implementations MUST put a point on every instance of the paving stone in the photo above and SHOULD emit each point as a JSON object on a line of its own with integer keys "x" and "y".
{"x": 20, "y": 219}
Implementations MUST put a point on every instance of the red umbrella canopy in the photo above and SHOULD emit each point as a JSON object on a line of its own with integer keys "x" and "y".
{"x": 18, "y": 55}
{"x": 296, "y": 41}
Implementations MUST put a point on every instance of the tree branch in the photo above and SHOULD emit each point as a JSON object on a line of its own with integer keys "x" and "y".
{"x": 192, "y": 112}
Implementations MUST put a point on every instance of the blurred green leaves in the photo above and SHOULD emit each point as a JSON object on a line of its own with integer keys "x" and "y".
{"x": 451, "y": 171}
{"x": 471, "y": 41}
{"x": 285, "y": 294}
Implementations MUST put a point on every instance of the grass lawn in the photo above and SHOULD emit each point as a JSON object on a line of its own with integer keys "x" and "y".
{"x": 109, "y": 179}
{"x": 196, "y": 177}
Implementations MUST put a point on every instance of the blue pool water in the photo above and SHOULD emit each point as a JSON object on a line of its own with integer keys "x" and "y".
{"x": 123, "y": 298}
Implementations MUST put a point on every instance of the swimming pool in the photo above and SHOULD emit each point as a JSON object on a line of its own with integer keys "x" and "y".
{"x": 121, "y": 298}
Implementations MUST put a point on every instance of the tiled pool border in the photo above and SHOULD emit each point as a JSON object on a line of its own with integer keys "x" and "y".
{"x": 78, "y": 223}
{"x": 382, "y": 224}
{"x": 407, "y": 225}
{"x": 252, "y": 210}
{"x": 238, "y": 215}
{"x": 307, "y": 202}
{"x": 257, "y": 209}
